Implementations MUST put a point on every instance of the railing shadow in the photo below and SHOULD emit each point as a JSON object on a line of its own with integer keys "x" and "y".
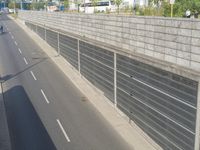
{"x": 26, "y": 129}
{"x": 11, "y": 76}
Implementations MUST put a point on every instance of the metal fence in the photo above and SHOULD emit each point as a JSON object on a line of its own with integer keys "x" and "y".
{"x": 161, "y": 103}
{"x": 96, "y": 64}
{"x": 69, "y": 49}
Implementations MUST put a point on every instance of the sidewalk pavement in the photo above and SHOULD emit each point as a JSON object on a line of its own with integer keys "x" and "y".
{"x": 133, "y": 135}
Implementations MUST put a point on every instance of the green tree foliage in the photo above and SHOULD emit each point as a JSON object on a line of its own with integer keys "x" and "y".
{"x": 118, "y": 2}
{"x": 13, "y": 5}
{"x": 37, "y": 5}
{"x": 94, "y": 3}
{"x": 181, "y": 6}
{"x": 66, "y": 4}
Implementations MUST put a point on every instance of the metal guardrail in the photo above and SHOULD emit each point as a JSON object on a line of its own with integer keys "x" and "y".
{"x": 161, "y": 103}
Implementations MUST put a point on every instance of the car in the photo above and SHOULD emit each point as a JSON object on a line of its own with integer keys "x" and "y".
{"x": 11, "y": 10}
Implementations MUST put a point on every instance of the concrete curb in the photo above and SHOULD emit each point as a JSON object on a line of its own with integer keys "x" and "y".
{"x": 129, "y": 133}
{"x": 5, "y": 143}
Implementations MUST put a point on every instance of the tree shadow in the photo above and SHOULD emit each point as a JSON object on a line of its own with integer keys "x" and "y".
{"x": 27, "y": 132}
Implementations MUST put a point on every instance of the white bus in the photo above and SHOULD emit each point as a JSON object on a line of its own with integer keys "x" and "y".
{"x": 101, "y": 6}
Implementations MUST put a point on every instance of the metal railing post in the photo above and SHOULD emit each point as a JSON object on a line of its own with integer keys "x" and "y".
{"x": 45, "y": 33}
{"x": 197, "y": 131}
{"x": 79, "y": 65}
{"x": 115, "y": 79}
{"x": 58, "y": 36}
{"x": 36, "y": 29}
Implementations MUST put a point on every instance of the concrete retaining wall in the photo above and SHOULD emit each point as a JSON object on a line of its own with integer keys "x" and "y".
{"x": 173, "y": 40}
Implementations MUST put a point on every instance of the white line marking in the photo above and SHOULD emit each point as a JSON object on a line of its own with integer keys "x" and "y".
{"x": 33, "y": 75}
{"x": 10, "y": 33}
{"x": 19, "y": 50}
{"x": 12, "y": 36}
{"x": 25, "y": 61}
{"x": 44, "y": 96}
{"x": 63, "y": 130}
{"x": 16, "y": 43}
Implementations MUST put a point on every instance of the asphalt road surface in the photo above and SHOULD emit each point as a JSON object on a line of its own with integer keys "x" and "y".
{"x": 45, "y": 110}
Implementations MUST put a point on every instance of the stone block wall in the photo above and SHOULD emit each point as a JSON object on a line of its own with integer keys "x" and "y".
{"x": 174, "y": 40}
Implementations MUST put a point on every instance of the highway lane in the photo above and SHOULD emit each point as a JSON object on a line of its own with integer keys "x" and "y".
{"x": 26, "y": 129}
{"x": 61, "y": 111}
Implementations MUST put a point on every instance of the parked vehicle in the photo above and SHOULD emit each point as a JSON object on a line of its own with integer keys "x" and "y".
{"x": 101, "y": 6}
{"x": 52, "y": 7}
{"x": 11, "y": 10}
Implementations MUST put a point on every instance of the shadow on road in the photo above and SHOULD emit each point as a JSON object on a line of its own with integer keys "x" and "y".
{"x": 27, "y": 132}
{"x": 3, "y": 79}
{"x": 4, "y": 18}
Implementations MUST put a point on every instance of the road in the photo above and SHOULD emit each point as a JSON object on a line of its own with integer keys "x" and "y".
{"x": 45, "y": 110}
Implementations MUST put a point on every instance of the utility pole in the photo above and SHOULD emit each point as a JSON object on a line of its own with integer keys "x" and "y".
{"x": 134, "y": 7}
{"x": 14, "y": 6}
{"x": 172, "y": 4}
{"x": 21, "y": 4}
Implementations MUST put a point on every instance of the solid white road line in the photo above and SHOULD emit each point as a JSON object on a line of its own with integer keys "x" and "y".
{"x": 19, "y": 50}
{"x": 16, "y": 43}
{"x": 63, "y": 130}
{"x": 12, "y": 36}
{"x": 33, "y": 75}
{"x": 44, "y": 96}
{"x": 25, "y": 61}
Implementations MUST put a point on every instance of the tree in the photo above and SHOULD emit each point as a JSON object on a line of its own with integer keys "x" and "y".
{"x": 94, "y": 3}
{"x": 37, "y": 5}
{"x": 11, "y": 5}
{"x": 118, "y": 2}
{"x": 66, "y": 4}
{"x": 181, "y": 6}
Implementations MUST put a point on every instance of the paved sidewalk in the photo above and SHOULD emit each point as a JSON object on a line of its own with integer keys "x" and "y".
{"x": 130, "y": 133}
